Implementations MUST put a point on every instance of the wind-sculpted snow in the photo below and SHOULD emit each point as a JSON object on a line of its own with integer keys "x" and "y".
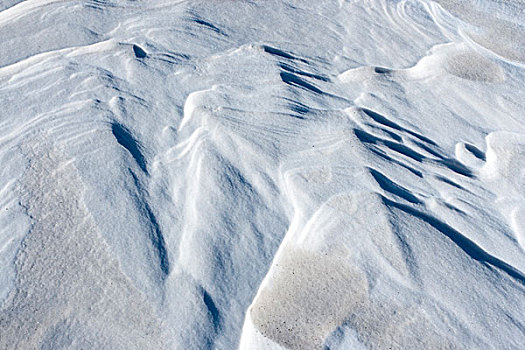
{"x": 68, "y": 286}
{"x": 262, "y": 175}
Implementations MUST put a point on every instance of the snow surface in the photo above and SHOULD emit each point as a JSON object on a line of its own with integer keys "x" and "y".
{"x": 262, "y": 174}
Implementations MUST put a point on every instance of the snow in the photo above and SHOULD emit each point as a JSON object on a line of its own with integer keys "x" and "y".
{"x": 262, "y": 174}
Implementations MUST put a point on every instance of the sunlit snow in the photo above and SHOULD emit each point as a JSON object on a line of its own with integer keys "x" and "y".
{"x": 293, "y": 174}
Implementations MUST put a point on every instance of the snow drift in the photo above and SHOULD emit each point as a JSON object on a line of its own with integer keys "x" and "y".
{"x": 262, "y": 174}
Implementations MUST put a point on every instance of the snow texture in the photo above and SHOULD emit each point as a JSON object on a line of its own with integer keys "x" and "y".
{"x": 197, "y": 174}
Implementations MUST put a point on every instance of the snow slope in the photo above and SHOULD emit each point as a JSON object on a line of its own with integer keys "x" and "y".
{"x": 262, "y": 174}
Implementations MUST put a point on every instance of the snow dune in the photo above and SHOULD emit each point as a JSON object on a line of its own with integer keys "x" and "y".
{"x": 262, "y": 175}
